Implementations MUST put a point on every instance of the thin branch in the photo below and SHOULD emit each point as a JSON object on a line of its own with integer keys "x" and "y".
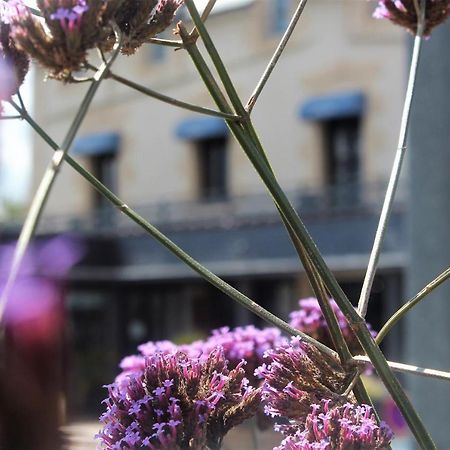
{"x": 10, "y": 117}
{"x": 34, "y": 11}
{"x": 21, "y": 102}
{"x": 166, "y": 42}
{"x": 171, "y": 100}
{"x": 214, "y": 55}
{"x": 395, "y": 172}
{"x": 205, "y": 14}
{"x": 415, "y": 370}
{"x": 411, "y": 303}
{"x": 276, "y": 56}
{"x": 41, "y": 196}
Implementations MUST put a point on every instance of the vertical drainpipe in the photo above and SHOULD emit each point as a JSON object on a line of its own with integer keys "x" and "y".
{"x": 428, "y": 325}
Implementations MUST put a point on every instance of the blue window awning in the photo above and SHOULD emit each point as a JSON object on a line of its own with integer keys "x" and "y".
{"x": 334, "y": 106}
{"x": 201, "y": 128}
{"x": 97, "y": 144}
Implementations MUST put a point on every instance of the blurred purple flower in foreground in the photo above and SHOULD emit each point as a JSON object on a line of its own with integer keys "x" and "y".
{"x": 347, "y": 427}
{"x": 34, "y": 311}
{"x": 403, "y": 13}
{"x": 31, "y": 376}
{"x": 177, "y": 403}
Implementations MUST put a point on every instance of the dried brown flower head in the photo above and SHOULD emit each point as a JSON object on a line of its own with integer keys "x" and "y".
{"x": 141, "y": 20}
{"x": 14, "y": 63}
{"x": 299, "y": 376}
{"x": 403, "y": 13}
{"x": 72, "y": 27}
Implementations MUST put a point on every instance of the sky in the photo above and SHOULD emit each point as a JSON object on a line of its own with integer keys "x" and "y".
{"x": 15, "y": 153}
{"x": 15, "y": 136}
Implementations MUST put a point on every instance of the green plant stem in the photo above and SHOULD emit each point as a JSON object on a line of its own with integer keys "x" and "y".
{"x": 205, "y": 14}
{"x": 393, "y": 179}
{"x": 35, "y": 11}
{"x": 336, "y": 335}
{"x": 407, "y": 368}
{"x": 166, "y": 42}
{"x": 9, "y": 117}
{"x": 164, "y": 240}
{"x": 357, "y": 324}
{"x": 42, "y": 194}
{"x": 170, "y": 100}
{"x": 411, "y": 303}
{"x": 276, "y": 56}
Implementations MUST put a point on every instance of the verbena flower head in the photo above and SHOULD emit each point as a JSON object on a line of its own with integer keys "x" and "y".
{"x": 310, "y": 319}
{"x": 241, "y": 343}
{"x": 72, "y": 27}
{"x": 245, "y": 343}
{"x": 403, "y": 13}
{"x": 298, "y": 376}
{"x": 346, "y": 427}
{"x": 133, "y": 364}
{"x": 14, "y": 64}
{"x": 141, "y": 20}
{"x": 177, "y": 403}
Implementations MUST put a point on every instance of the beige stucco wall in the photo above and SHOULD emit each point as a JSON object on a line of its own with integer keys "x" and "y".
{"x": 336, "y": 47}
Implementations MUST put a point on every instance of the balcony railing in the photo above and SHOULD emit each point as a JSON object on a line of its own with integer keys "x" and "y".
{"x": 324, "y": 203}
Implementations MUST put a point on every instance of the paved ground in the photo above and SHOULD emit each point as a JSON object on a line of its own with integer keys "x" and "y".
{"x": 81, "y": 437}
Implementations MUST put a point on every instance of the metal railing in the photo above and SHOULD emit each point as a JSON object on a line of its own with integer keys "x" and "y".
{"x": 258, "y": 208}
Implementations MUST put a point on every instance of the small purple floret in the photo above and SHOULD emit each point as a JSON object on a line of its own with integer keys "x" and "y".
{"x": 70, "y": 18}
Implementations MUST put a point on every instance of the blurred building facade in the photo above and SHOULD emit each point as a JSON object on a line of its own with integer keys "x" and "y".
{"x": 328, "y": 118}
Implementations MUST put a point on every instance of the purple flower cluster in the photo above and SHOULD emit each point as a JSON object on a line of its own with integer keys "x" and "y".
{"x": 245, "y": 343}
{"x": 297, "y": 377}
{"x": 346, "y": 427}
{"x": 310, "y": 319}
{"x": 403, "y": 13}
{"x": 242, "y": 343}
{"x": 177, "y": 402}
{"x": 303, "y": 387}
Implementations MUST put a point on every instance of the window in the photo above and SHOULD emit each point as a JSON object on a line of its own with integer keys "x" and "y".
{"x": 212, "y": 168}
{"x": 101, "y": 150}
{"x": 341, "y": 138}
{"x": 342, "y": 150}
{"x": 279, "y": 15}
{"x": 339, "y": 117}
{"x": 104, "y": 169}
{"x": 209, "y": 137}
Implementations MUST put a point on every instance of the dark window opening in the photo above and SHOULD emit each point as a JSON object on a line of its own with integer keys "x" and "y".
{"x": 212, "y": 167}
{"x": 104, "y": 169}
{"x": 280, "y": 15}
{"x": 384, "y": 300}
{"x": 342, "y": 164}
